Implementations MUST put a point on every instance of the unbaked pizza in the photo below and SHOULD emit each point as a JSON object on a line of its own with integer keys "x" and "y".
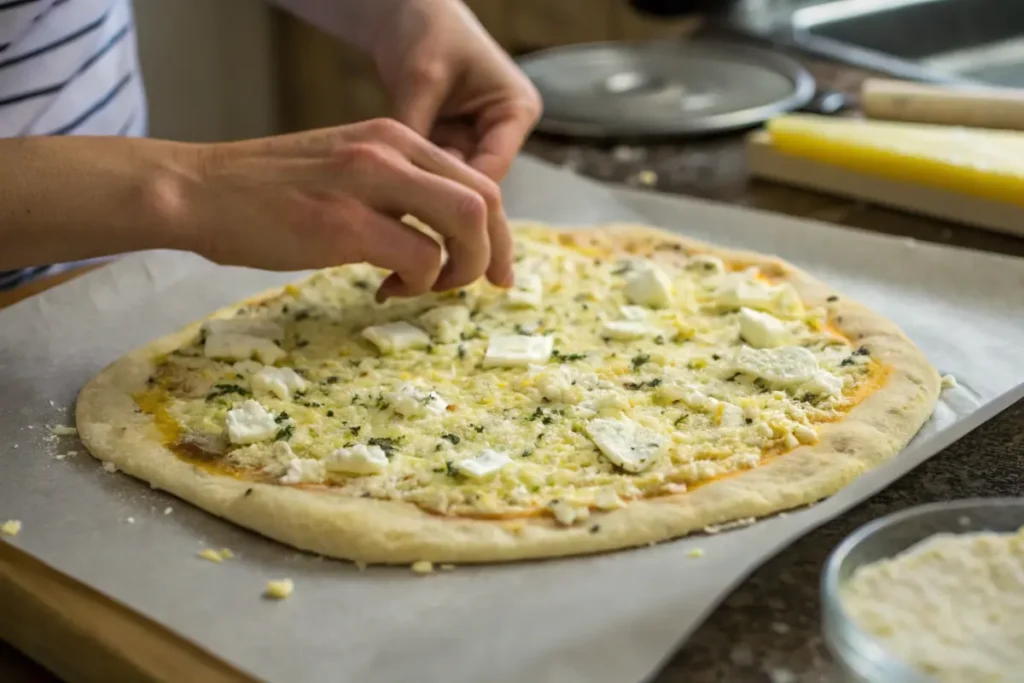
{"x": 634, "y": 386}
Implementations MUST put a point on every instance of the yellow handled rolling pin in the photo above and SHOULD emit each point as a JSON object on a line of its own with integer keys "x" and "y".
{"x": 974, "y": 107}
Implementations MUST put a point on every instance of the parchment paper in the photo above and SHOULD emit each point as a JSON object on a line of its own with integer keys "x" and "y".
{"x": 607, "y": 619}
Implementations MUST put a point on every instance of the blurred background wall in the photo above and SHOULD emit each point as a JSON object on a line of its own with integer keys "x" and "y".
{"x": 229, "y": 69}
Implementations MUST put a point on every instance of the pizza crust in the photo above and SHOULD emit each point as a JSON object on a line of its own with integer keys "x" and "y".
{"x": 382, "y": 531}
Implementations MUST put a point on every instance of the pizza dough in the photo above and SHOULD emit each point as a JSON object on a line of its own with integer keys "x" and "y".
{"x": 635, "y": 386}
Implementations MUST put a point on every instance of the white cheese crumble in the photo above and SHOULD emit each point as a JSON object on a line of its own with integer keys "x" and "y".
{"x": 516, "y": 350}
{"x": 11, "y": 527}
{"x": 358, "y": 459}
{"x": 250, "y": 423}
{"x": 396, "y": 336}
{"x": 738, "y": 290}
{"x": 761, "y": 330}
{"x": 483, "y": 466}
{"x": 232, "y": 346}
{"x": 280, "y": 382}
{"x": 527, "y": 292}
{"x": 788, "y": 366}
{"x": 949, "y": 382}
{"x": 625, "y": 443}
{"x": 626, "y": 330}
{"x": 304, "y": 471}
{"x": 279, "y": 589}
{"x": 445, "y": 323}
{"x": 409, "y": 401}
{"x": 648, "y": 285}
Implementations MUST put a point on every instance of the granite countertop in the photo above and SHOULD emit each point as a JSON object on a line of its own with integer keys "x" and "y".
{"x": 768, "y": 629}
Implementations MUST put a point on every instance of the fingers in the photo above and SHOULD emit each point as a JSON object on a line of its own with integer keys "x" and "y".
{"x": 420, "y": 98}
{"x": 500, "y": 140}
{"x": 413, "y": 258}
{"x": 434, "y": 160}
{"x": 455, "y": 211}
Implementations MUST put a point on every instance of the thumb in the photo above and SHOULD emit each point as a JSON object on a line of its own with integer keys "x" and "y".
{"x": 418, "y": 100}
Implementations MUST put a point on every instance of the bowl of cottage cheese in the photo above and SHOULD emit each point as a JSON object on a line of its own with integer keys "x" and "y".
{"x": 931, "y": 594}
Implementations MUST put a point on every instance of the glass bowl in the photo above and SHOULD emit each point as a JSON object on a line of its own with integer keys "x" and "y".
{"x": 861, "y": 657}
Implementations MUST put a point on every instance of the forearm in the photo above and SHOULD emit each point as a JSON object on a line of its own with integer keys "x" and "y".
{"x": 70, "y": 198}
{"x": 358, "y": 22}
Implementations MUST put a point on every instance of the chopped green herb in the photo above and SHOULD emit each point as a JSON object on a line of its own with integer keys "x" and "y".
{"x": 225, "y": 389}
{"x": 528, "y": 452}
{"x": 361, "y": 284}
{"x": 846, "y": 362}
{"x": 330, "y": 413}
{"x": 594, "y": 529}
{"x": 862, "y": 351}
{"x": 680, "y": 419}
{"x": 659, "y": 340}
{"x": 301, "y": 343}
{"x": 285, "y": 432}
{"x": 450, "y": 467}
{"x": 832, "y": 299}
{"x": 479, "y": 429}
{"x": 386, "y": 444}
{"x": 715, "y": 356}
{"x": 536, "y": 414}
{"x": 354, "y": 431}
{"x": 461, "y": 351}
{"x": 281, "y": 417}
{"x": 301, "y": 315}
{"x": 333, "y": 379}
{"x": 566, "y": 357}
{"x": 640, "y": 359}
{"x": 623, "y": 268}
{"x": 453, "y": 439}
{"x": 381, "y": 403}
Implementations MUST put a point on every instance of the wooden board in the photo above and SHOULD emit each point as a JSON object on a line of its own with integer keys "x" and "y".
{"x": 768, "y": 163}
{"x": 85, "y": 637}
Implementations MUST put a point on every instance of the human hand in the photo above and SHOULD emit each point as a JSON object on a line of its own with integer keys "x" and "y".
{"x": 334, "y": 196}
{"x": 453, "y": 84}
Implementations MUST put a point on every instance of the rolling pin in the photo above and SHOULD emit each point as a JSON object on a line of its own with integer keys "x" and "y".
{"x": 976, "y": 107}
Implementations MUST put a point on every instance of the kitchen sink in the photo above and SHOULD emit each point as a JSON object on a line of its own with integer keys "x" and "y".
{"x": 969, "y": 41}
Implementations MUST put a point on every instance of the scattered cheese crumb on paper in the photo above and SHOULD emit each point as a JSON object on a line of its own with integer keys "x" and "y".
{"x": 423, "y": 567}
{"x": 949, "y": 382}
{"x": 11, "y": 527}
{"x": 130, "y": 520}
{"x": 109, "y": 467}
{"x": 216, "y": 556}
{"x": 168, "y": 510}
{"x": 61, "y": 430}
{"x": 696, "y": 552}
{"x": 279, "y": 589}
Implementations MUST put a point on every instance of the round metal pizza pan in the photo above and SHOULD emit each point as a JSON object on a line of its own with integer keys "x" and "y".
{"x": 660, "y": 88}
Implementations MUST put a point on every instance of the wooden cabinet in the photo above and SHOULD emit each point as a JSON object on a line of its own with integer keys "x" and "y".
{"x": 322, "y": 82}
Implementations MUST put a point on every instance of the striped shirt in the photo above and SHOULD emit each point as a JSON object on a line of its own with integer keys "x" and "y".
{"x": 68, "y": 67}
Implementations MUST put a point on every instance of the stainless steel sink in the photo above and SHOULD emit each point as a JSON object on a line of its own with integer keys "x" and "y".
{"x": 979, "y": 41}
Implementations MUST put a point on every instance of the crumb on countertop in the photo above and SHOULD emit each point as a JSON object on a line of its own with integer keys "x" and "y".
{"x": 696, "y": 552}
{"x": 11, "y": 527}
{"x": 423, "y": 567}
{"x": 62, "y": 430}
{"x": 949, "y": 382}
{"x": 168, "y": 510}
{"x": 279, "y": 589}
{"x": 109, "y": 467}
